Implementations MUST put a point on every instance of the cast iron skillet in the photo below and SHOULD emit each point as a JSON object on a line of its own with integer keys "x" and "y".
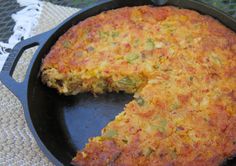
{"x": 61, "y": 125}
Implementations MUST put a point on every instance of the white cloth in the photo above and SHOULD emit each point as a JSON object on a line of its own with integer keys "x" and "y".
{"x": 26, "y": 20}
{"x": 17, "y": 145}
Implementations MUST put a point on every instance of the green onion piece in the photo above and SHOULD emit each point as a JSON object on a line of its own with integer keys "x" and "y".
{"x": 155, "y": 127}
{"x": 189, "y": 38}
{"x": 216, "y": 60}
{"x": 163, "y": 123}
{"x": 191, "y": 78}
{"x": 110, "y": 133}
{"x": 150, "y": 45}
{"x": 132, "y": 57}
{"x": 169, "y": 27}
{"x": 140, "y": 101}
{"x": 147, "y": 151}
{"x": 136, "y": 42}
{"x": 173, "y": 154}
{"x": 115, "y": 34}
{"x": 66, "y": 44}
{"x": 175, "y": 106}
{"x": 161, "y": 127}
{"x": 127, "y": 81}
{"x": 157, "y": 66}
{"x": 156, "y": 117}
{"x": 102, "y": 84}
{"x": 103, "y": 34}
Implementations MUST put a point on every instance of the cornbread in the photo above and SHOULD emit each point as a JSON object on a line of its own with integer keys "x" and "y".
{"x": 180, "y": 66}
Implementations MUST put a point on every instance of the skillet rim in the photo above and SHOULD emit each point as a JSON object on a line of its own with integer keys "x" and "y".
{"x": 54, "y": 33}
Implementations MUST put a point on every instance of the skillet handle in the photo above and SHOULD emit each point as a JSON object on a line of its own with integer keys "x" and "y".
{"x": 19, "y": 88}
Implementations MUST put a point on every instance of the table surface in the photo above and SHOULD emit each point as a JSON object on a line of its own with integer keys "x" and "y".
{"x": 8, "y": 7}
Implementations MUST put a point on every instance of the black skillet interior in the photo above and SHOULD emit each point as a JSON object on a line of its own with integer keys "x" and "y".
{"x": 64, "y": 123}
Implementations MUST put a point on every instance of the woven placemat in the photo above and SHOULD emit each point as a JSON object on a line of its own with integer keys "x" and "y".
{"x": 17, "y": 145}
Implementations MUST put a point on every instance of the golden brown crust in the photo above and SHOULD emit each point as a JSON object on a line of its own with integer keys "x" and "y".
{"x": 180, "y": 65}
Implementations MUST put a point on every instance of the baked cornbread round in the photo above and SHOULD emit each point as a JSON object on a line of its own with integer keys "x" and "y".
{"x": 181, "y": 67}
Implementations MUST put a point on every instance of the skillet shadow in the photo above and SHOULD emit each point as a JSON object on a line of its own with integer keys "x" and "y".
{"x": 84, "y": 115}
